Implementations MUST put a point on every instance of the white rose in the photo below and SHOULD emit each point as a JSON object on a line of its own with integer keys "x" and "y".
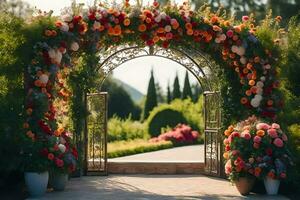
{"x": 96, "y": 25}
{"x": 255, "y": 103}
{"x": 168, "y": 28}
{"x": 163, "y": 15}
{"x": 234, "y": 48}
{"x": 243, "y": 60}
{"x": 52, "y": 53}
{"x": 258, "y": 97}
{"x": 157, "y": 18}
{"x": 98, "y": 16}
{"x": 223, "y": 37}
{"x": 74, "y": 46}
{"x": 259, "y": 90}
{"x": 44, "y": 78}
{"x": 64, "y": 27}
{"x": 260, "y": 84}
{"x": 217, "y": 40}
{"x": 62, "y": 148}
{"x": 263, "y": 78}
{"x": 58, "y": 56}
{"x": 241, "y": 50}
{"x": 67, "y": 18}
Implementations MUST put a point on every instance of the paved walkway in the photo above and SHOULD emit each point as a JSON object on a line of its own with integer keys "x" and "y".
{"x": 192, "y": 153}
{"x": 142, "y": 187}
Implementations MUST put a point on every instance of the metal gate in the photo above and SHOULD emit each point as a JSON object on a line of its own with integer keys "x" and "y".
{"x": 96, "y": 134}
{"x": 212, "y": 122}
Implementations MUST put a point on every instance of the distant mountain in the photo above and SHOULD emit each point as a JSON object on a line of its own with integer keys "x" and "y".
{"x": 136, "y": 95}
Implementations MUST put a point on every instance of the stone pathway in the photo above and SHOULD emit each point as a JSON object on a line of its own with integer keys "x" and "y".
{"x": 150, "y": 187}
{"x": 192, "y": 153}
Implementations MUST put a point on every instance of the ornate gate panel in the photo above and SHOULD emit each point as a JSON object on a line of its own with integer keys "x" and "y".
{"x": 96, "y": 134}
{"x": 212, "y": 120}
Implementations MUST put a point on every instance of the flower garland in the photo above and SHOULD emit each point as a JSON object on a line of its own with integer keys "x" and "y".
{"x": 236, "y": 45}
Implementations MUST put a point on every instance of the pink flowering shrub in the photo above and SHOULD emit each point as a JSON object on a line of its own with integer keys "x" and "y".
{"x": 181, "y": 134}
{"x": 257, "y": 149}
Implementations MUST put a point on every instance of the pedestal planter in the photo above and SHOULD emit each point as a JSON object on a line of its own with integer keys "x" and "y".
{"x": 244, "y": 185}
{"x": 59, "y": 181}
{"x": 271, "y": 185}
{"x": 36, "y": 183}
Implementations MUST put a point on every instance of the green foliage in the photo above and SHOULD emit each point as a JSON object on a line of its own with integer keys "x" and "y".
{"x": 11, "y": 92}
{"x": 291, "y": 58}
{"x": 169, "y": 96}
{"x": 176, "y": 89}
{"x": 119, "y": 101}
{"x": 187, "y": 91}
{"x": 151, "y": 99}
{"x": 119, "y": 129}
{"x": 192, "y": 114}
{"x": 162, "y": 117}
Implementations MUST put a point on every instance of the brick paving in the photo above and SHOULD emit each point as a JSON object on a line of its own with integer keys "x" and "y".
{"x": 150, "y": 187}
{"x": 192, "y": 153}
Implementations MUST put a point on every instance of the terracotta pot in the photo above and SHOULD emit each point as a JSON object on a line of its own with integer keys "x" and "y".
{"x": 271, "y": 185}
{"x": 244, "y": 185}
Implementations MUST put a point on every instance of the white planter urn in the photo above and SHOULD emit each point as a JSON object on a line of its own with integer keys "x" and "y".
{"x": 271, "y": 185}
{"x": 36, "y": 183}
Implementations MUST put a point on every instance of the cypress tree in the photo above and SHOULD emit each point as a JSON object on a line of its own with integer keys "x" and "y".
{"x": 176, "y": 89}
{"x": 151, "y": 99}
{"x": 187, "y": 90}
{"x": 169, "y": 96}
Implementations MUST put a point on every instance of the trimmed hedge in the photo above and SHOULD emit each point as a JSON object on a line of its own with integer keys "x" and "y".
{"x": 163, "y": 117}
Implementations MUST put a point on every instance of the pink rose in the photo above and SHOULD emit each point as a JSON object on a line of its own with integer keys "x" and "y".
{"x": 228, "y": 168}
{"x": 278, "y": 142}
{"x": 257, "y": 139}
{"x": 226, "y": 141}
{"x": 275, "y": 126}
{"x": 262, "y": 126}
{"x": 59, "y": 162}
{"x": 235, "y": 134}
{"x": 245, "y": 18}
{"x": 246, "y": 134}
{"x": 272, "y": 133}
{"x": 235, "y": 152}
{"x": 284, "y": 137}
{"x": 229, "y": 33}
{"x": 282, "y": 175}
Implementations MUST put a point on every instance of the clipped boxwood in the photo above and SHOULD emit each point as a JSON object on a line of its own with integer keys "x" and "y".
{"x": 162, "y": 117}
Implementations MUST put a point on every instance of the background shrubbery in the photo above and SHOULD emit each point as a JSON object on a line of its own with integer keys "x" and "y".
{"x": 125, "y": 129}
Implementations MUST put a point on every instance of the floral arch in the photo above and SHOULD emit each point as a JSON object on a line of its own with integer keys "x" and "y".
{"x": 247, "y": 71}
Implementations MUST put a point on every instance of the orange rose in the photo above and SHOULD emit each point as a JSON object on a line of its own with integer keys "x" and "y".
{"x": 126, "y": 22}
{"x": 29, "y": 111}
{"x": 260, "y": 133}
{"x": 117, "y": 30}
{"x": 244, "y": 100}
{"x": 142, "y": 28}
{"x": 190, "y": 32}
{"x": 25, "y": 125}
{"x": 188, "y": 26}
{"x": 38, "y": 83}
{"x": 248, "y": 93}
{"x": 251, "y": 82}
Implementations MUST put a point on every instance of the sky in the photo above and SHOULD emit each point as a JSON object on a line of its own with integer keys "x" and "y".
{"x": 135, "y": 72}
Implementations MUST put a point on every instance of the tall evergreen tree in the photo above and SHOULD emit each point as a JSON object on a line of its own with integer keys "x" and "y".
{"x": 160, "y": 94}
{"x": 151, "y": 99}
{"x": 176, "y": 88}
{"x": 197, "y": 91}
{"x": 187, "y": 91}
{"x": 169, "y": 96}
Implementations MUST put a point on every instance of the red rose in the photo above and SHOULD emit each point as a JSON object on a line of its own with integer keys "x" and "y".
{"x": 50, "y": 156}
{"x": 269, "y": 151}
{"x": 44, "y": 152}
{"x": 59, "y": 162}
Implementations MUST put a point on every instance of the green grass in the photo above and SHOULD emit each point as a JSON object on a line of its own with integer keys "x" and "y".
{"x": 131, "y": 147}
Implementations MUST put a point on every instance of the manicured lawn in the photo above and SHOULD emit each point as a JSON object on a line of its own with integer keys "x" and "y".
{"x": 131, "y": 147}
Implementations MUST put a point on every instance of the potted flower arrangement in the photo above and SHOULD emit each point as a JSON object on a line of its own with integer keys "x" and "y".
{"x": 239, "y": 155}
{"x": 256, "y": 149}
{"x": 63, "y": 156}
{"x": 36, "y": 167}
{"x": 273, "y": 155}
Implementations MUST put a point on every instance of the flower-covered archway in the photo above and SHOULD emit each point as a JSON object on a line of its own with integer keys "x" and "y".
{"x": 247, "y": 73}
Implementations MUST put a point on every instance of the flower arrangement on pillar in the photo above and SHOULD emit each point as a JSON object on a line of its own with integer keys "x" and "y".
{"x": 256, "y": 150}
